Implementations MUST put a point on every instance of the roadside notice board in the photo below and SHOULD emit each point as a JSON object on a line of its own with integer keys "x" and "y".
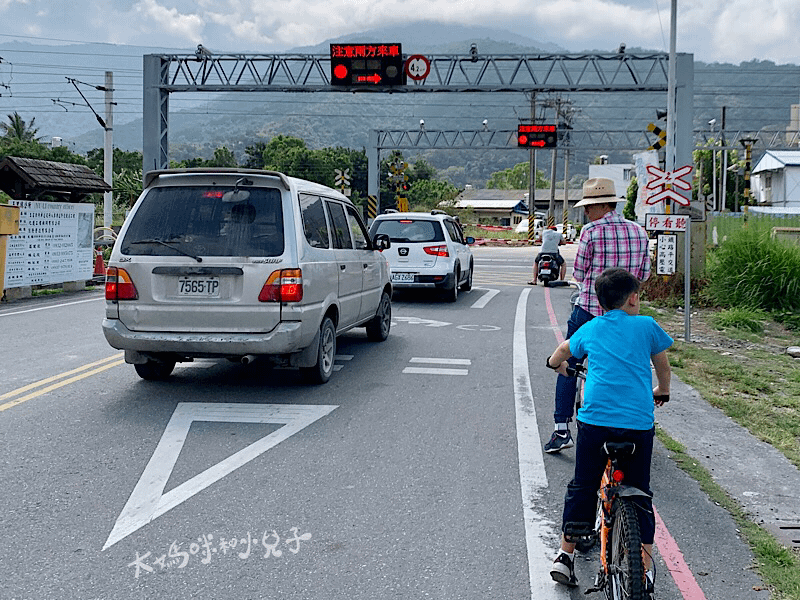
{"x": 54, "y": 244}
{"x": 666, "y": 254}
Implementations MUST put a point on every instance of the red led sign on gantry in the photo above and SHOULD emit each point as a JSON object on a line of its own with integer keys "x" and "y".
{"x": 537, "y": 136}
{"x": 367, "y": 64}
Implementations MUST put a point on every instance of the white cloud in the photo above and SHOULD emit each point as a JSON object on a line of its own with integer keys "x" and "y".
{"x": 184, "y": 27}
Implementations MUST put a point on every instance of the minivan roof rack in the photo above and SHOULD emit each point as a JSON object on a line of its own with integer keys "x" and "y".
{"x": 436, "y": 211}
{"x": 389, "y": 210}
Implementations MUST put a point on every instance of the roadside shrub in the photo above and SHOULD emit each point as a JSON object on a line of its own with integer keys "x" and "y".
{"x": 668, "y": 291}
{"x": 739, "y": 318}
{"x": 753, "y": 270}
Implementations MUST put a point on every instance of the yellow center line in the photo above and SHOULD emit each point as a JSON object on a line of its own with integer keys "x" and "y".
{"x": 105, "y": 363}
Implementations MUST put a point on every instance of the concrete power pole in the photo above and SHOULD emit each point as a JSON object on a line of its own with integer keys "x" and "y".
{"x": 108, "y": 151}
{"x": 532, "y": 178}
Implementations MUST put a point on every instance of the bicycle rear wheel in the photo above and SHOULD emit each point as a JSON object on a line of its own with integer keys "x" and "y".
{"x": 626, "y": 571}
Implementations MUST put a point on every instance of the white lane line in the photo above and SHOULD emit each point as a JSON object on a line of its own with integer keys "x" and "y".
{"x": 431, "y": 371}
{"x": 29, "y": 310}
{"x": 441, "y": 361}
{"x": 540, "y": 532}
{"x": 484, "y": 300}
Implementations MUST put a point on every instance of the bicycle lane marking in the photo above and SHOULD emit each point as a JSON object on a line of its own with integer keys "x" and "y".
{"x": 666, "y": 544}
{"x": 532, "y": 475}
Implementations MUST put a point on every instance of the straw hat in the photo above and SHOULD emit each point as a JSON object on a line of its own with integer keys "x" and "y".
{"x": 598, "y": 190}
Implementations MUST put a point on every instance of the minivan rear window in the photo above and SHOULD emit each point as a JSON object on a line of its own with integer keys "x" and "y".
{"x": 204, "y": 221}
{"x": 409, "y": 230}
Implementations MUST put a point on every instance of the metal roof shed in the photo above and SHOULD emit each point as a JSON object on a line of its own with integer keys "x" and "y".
{"x": 29, "y": 178}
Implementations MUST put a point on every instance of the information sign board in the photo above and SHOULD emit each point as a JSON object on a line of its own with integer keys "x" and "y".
{"x": 54, "y": 244}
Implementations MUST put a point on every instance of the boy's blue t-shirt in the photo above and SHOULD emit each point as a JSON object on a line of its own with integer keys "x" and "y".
{"x": 619, "y": 383}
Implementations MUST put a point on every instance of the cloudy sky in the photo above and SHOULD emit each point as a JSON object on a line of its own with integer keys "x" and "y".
{"x": 729, "y": 31}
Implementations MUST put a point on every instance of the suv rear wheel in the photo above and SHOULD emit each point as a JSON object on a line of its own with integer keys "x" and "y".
{"x": 467, "y": 285}
{"x": 451, "y": 294}
{"x": 326, "y": 353}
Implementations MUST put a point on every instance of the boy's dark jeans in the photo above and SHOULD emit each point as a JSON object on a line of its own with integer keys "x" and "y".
{"x": 580, "y": 502}
{"x": 565, "y": 386}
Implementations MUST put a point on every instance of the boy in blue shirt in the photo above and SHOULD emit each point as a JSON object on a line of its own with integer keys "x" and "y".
{"x": 618, "y": 405}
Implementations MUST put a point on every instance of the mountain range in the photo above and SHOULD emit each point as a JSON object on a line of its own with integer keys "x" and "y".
{"x": 60, "y": 87}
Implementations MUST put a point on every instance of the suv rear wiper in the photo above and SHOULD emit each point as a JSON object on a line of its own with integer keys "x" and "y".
{"x": 168, "y": 244}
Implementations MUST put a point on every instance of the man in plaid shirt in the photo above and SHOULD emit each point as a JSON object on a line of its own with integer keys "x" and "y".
{"x": 609, "y": 240}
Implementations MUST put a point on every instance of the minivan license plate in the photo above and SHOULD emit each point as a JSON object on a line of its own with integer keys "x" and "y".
{"x": 204, "y": 287}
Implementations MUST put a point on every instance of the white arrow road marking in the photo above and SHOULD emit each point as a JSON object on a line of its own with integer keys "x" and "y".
{"x": 539, "y": 530}
{"x": 148, "y": 500}
{"x": 484, "y": 300}
{"x": 418, "y": 321}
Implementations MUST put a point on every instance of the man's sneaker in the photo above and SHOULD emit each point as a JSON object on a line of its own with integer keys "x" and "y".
{"x": 559, "y": 441}
{"x": 649, "y": 583}
{"x": 563, "y": 570}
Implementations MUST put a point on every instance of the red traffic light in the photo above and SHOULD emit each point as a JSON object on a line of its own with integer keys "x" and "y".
{"x": 340, "y": 71}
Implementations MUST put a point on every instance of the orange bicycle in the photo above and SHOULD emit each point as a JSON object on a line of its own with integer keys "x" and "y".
{"x": 622, "y": 574}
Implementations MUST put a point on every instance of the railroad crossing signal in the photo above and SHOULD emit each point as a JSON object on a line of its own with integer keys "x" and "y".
{"x": 537, "y": 136}
{"x": 342, "y": 180}
{"x": 661, "y": 136}
{"x": 367, "y": 65}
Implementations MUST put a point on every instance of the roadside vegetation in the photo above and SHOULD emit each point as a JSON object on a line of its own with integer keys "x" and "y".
{"x": 745, "y": 314}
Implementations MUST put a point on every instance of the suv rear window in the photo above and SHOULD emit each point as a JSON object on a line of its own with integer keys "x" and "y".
{"x": 409, "y": 230}
{"x": 197, "y": 220}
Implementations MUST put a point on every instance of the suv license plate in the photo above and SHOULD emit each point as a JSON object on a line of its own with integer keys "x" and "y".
{"x": 203, "y": 287}
{"x": 402, "y": 278}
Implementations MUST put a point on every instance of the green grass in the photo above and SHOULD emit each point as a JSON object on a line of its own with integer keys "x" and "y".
{"x": 778, "y": 566}
{"x": 743, "y": 319}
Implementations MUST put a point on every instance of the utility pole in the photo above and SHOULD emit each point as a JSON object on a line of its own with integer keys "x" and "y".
{"x": 532, "y": 178}
{"x": 568, "y": 112}
{"x": 108, "y": 151}
{"x": 551, "y": 209}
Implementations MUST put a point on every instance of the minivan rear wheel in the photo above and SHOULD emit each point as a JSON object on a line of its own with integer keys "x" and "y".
{"x": 326, "y": 353}
{"x": 155, "y": 370}
{"x": 378, "y": 327}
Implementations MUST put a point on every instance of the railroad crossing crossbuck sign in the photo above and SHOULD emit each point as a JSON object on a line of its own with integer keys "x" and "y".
{"x": 342, "y": 180}
{"x": 665, "y": 181}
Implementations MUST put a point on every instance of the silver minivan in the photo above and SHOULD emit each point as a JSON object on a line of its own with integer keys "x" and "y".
{"x": 239, "y": 264}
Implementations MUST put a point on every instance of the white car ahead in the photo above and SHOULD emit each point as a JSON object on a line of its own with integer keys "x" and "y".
{"x": 428, "y": 250}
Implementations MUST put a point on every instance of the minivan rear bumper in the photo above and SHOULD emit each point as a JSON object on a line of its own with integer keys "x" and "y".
{"x": 286, "y": 338}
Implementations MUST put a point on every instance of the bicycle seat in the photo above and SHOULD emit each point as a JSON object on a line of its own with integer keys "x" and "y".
{"x": 617, "y": 449}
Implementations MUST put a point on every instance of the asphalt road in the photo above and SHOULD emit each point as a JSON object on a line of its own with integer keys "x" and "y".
{"x": 416, "y": 472}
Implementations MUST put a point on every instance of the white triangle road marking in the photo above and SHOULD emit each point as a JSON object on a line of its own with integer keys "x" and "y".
{"x": 148, "y": 500}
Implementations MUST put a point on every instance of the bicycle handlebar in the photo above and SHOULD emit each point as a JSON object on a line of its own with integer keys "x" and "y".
{"x": 580, "y": 371}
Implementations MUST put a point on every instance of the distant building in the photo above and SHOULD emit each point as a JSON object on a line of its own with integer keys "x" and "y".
{"x": 775, "y": 179}
{"x": 509, "y": 207}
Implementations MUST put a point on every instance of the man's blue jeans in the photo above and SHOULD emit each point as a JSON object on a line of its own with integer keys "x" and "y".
{"x": 565, "y": 386}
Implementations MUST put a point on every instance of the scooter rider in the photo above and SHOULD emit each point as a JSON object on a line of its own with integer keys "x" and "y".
{"x": 551, "y": 240}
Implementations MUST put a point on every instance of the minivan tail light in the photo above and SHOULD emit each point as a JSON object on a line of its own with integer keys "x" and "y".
{"x": 119, "y": 285}
{"x": 437, "y": 250}
{"x": 285, "y": 285}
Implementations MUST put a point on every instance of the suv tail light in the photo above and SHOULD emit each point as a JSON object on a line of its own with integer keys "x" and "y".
{"x": 436, "y": 250}
{"x": 119, "y": 285}
{"x": 285, "y": 285}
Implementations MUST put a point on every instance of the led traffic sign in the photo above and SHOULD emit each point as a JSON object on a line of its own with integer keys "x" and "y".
{"x": 537, "y": 136}
{"x": 367, "y": 65}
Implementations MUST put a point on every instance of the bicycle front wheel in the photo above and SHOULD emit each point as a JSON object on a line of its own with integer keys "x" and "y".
{"x": 625, "y": 579}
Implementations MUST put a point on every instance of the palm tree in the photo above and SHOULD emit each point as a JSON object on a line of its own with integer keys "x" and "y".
{"x": 17, "y": 129}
